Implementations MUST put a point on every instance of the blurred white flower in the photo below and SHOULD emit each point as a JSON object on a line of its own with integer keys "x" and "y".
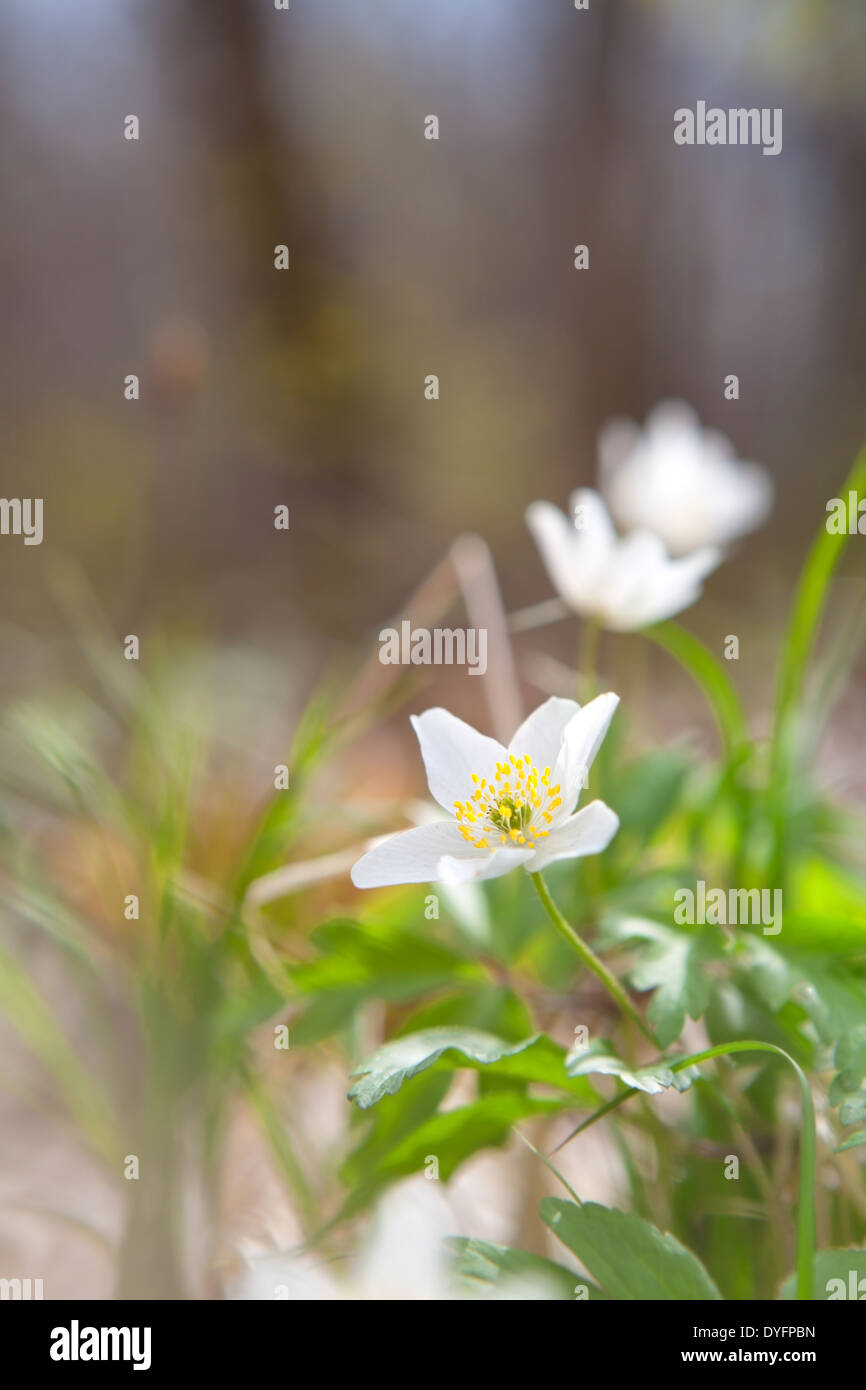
{"x": 510, "y": 807}
{"x": 405, "y": 1258}
{"x": 682, "y": 482}
{"x": 624, "y": 583}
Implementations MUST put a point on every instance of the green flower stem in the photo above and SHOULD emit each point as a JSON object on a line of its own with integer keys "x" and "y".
{"x": 808, "y": 1145}
{"x": 589, "y": 958}
{"x": 587, "y": 658}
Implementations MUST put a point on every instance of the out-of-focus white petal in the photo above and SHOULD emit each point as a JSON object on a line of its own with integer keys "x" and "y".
{"x": 554, "y": 536}
{"x": 452, "y": 750}
{"x": 576, "y": 550}
{"x": 405, "y": 1257}
{"x": 675, "y": 586}
{"x": 286, "y": 1277}
{"x": 412, "y": 856}
{"x": 681, "y": 482}
{"x": 586, "y": 832}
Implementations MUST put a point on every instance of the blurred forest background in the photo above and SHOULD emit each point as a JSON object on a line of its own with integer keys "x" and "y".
{"x": 408, "y": 257}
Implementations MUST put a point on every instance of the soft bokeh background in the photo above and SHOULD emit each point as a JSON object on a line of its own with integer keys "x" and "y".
{"x": 409, "y": 257}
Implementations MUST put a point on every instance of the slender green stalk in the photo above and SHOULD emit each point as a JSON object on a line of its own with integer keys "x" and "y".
{"x": 547, "y": 1163}
{"x": 589, "y": 958}
{"x": 808, "y": 1145}
{"x": 807, "y": 610}
{"x": 709, "y": 675}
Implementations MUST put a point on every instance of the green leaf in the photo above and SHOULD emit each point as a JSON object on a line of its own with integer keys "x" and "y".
{"x": 852, "y": 1142}
{"x": 451, "y": 1137}
{"x": 647, "y": 791}
{"x": 825, "y": 908}
{"x": 370, "y": 962}
{"x": 631, "y": 1259}
{"x": 853, "y": 1110}
{"x": 850, "y": 1058}
{"x": 671, "y": 965}
{"x": 393, "y": 1120}
{"x": 828, "y": 1265}
{"x": 537, "y": 1059}
{"x": 492, "y": 1008}
{"x": 770, "y": 974}
{"x": 600, "y": 1058}
{"x": 483, "y": 1263}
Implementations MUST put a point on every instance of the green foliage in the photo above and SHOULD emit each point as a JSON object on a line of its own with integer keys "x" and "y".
{"x": 628, "y": 1257}
{"x": 537, "y": 1059}
{"x": 358, "y": 962}
{"x": 600, "y": 1059}
{"x": 487, "y": 1266}
{"x": 833, "y": 1265}
{"x": 672, "y": 964}
{"x": 463, "y": 1025}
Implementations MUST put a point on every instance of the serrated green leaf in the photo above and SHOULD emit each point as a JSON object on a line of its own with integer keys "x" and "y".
{"x": 394, "y": 1119}
{"x": 769, "y": 972}
{"x": 600, "y": 1059}
{"x": 482, "y": 1262}
{"x": 853, "y": 1110}
{"x": 630, "y": 1258}
{"x": 537, "y": 1059}
{"x": 671, "y": 964}
{"x": 852, "y": 1142}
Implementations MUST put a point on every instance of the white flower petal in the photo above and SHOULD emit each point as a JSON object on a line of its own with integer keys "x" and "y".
{"x": 412, "y": 856}
{"x": 680, "y": 481}
{"x": 405, "y": 1256}
{"x": 540, "y": 735}
{"x": 452, "y": 750}
{"x": 672, "y": 588}
{"x": 484, "y": 865}
{"x": 575, "y": 550}
{"x": 553, "y": 534}
{"x": 587, "y": 832}
{"x": 287, "y": 1276}
{"x": 581, "y": 740}
{"x": 590, "y": 520}
{"x": 670, "y": 421}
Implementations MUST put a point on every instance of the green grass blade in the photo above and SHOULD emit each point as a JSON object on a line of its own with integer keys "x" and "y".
{"x": 709, "y": 675}
{"x": 807, "y": 610}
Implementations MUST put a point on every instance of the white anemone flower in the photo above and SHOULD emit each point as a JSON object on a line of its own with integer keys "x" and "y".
{"x": 510, "y": 807}
{"x": 404, "y": 1258}
{"x": 622, "y": 582}
{"x": 683, "y": 482}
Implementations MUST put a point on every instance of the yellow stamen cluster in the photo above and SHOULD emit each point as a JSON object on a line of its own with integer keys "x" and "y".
{"x": 509, "y": 806}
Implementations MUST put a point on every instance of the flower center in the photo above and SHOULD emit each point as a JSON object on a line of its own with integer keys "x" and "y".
{"x": 517, "y": 806}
